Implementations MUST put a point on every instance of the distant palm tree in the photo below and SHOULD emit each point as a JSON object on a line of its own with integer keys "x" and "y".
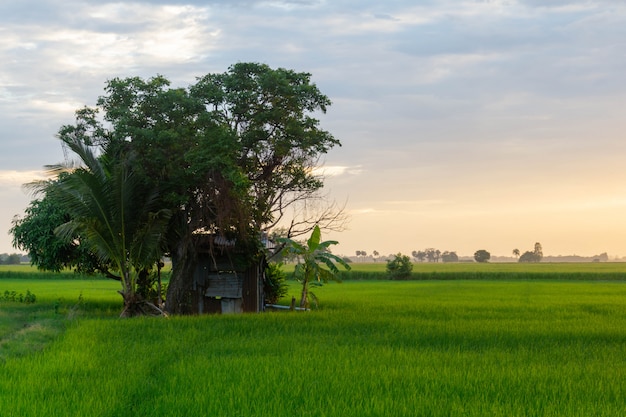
{"x": 516, "y": 253}
{"x": 115, "y": 213}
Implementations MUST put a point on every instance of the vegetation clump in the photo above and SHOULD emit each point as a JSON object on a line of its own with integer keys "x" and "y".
{"x": 399, "y": 267}
{"x": 535, "y": 255}
{"x": 275, "y": 285}
{"x": 13, "y": 296}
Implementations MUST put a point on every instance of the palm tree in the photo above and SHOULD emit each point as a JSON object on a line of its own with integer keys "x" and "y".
{"x": 516, "y": 253}
{"x": 310, "y": 257}
{"x": 115, "y": 213}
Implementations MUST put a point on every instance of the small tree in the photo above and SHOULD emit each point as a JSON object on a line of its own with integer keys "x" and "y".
{"x": 310, "y": 257}
{"x": 482, "y": 256}
{"x": 516, "y": 252}
{"x": 399, "y": 267}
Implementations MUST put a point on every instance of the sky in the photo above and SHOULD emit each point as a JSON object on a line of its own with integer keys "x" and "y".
{"x": 465, "y": 124}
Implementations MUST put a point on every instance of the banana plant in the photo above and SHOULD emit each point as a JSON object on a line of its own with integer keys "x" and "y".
{"x": 312, "y": 257}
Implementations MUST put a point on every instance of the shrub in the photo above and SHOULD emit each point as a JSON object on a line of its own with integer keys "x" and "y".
{"x": 29, "y": 298}
{"x": 275, "y": 285}
{"x": 399, "y": 267}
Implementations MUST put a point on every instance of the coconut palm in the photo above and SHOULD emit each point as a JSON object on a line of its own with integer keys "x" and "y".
{"x": 311, "y": 257}
{"x": 116, "y": 215}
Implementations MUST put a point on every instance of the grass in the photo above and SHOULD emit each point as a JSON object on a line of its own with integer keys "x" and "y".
{"x": 28, "y": 272}
{"x": 25, "y": 328}
{"x": 374, "y": 348}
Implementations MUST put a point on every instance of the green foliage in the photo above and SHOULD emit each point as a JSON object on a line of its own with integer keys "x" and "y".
{"x": 449, "y": 257}
{"x": 311, "y": 256}
{"x": 242, "y": 140}
{"x": 275, "y": 285}
{"x": 399, "y": 267}
{"x": 536, "y": 255}
{"x": 482, "y": 256}
{"x": 34, "y": 233}
{"x": 27, "y": 298}
{"x": 148, "y": 285}
{"x": 529, "y": 256}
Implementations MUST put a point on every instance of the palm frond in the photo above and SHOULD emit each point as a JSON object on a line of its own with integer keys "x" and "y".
{"x": 115, "y": 213}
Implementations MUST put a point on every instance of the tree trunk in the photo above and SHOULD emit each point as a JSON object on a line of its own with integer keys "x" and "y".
{"x": 304, "y": 298}
{"x": 136, "y": 306}
{"x": 179, "y": 291}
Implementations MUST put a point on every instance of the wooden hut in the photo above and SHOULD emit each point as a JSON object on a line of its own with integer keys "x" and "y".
{"x": 227, "y": 279}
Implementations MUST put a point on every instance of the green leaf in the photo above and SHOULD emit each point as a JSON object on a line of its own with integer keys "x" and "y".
{"x": 315, "y": 238}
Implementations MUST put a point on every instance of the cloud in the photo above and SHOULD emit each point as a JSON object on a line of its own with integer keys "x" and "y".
{"x": 335, "y": 171}
{"x": 13, "y": 178}
{"x": 363, "y": 211}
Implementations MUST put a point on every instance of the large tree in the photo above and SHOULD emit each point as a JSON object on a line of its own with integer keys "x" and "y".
{"x": 229, "y": 154}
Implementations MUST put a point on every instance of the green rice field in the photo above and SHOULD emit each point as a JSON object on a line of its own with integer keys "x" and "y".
{"x": 494, "y": 271}
{"x": 451, "y": 347}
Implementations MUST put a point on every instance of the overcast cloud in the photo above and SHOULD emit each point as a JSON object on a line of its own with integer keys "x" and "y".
{"x": 486, "y": 124}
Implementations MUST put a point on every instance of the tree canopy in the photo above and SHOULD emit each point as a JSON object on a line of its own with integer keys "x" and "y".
{"x": 34, "y": 233}
{"x": 536, "y": 255}
{"x": 482, "y": 255}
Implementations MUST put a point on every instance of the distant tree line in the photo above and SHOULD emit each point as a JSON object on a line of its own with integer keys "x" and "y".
{"x": 435, "y": 255}
{"x": 363, "y": 254}
{"x": 12, "y": 259}
{"x": 481, "y": 255}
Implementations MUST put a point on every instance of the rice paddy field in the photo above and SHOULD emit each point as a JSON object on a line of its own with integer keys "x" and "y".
{"x": 517, "y": 345}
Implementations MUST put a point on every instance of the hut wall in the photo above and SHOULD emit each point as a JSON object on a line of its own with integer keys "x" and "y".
{"x": 220, "y": 289}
